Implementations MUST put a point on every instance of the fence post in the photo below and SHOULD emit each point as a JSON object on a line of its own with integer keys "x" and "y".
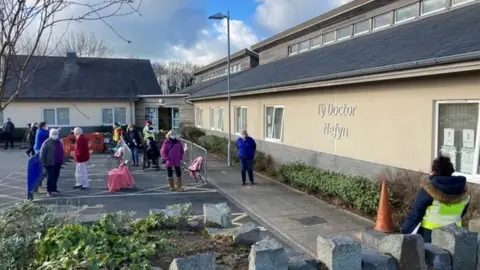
{"x": 206, "y": 156}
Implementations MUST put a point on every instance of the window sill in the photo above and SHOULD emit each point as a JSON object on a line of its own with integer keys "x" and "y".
{"x": 474, "y": 179}
{"x": 273, "y": 140}
{"x": 432, "y": 12}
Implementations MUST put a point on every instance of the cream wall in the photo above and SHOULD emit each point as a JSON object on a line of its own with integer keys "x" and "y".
{"x": 393, "y": 122}
{"x": 81, "y": 113}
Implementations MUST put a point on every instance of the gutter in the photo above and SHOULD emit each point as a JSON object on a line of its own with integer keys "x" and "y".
{"x": 160, "y": 95}
{"x": 362, "y": 72}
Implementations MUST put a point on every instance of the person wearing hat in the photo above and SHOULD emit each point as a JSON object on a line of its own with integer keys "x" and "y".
{"x": 51, "y": 157}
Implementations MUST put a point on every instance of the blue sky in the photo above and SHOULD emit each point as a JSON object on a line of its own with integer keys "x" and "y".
{"x": 179, "y": 29}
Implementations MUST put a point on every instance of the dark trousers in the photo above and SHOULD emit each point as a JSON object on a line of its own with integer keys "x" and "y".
{"x": 8, "y": 139}
{"x": 53, "y": 173}
{"x": 30, "y": 150}
{"x": 247, "y": 166}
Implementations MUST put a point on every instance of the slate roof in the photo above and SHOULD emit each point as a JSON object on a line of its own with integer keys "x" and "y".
{"x": 199, "y": 86}
{"x": 90, "y": 78}
{"x": 451, "y": 33}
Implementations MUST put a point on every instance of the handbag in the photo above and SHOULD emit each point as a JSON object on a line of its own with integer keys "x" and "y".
{"x": 168, "y": 151}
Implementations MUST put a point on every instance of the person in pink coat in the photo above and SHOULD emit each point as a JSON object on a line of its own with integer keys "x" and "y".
{"x": 172, "y": 156}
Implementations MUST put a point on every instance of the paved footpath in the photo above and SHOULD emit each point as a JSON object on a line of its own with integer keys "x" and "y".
{"x": 292, "y": 215}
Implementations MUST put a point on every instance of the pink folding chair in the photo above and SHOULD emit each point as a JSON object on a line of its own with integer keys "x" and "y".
{"x": 194, "y": 170}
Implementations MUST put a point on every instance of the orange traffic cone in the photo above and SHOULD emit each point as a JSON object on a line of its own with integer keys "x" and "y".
{"x": 384, "y": 222}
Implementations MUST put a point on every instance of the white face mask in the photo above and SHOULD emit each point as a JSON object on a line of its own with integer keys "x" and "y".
{"x": 173, "y": 137}
{"x": 243, "y": 137}
{"x": 55, "y": 137}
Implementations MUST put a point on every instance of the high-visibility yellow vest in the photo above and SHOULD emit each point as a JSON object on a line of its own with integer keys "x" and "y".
{"x": 441, "y": 214}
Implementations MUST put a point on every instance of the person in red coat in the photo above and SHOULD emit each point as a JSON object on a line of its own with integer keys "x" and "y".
{"x": 82, "y": 155}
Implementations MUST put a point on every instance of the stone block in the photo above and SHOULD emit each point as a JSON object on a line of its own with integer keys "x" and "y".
{"x": 246, "y": 234}
{"x": 460, "y": 243}
{"x": 267, "y": 254}
{"x": 407, "y": 249}
{"x": 339, "y": 252}
{"x": 219, "y": 214}
{"x": 374, "y": 260}
{"x": 437, "y": 258}
{"x": 204, "y": 261}
{"x": 220, "y": 232}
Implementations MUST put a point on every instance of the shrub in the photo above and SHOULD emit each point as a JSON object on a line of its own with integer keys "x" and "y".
{"x": 191, "y": 133}
{"x": 352, "y": 191}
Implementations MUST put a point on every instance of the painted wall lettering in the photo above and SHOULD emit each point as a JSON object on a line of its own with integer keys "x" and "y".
{"x": 337, "y": 131}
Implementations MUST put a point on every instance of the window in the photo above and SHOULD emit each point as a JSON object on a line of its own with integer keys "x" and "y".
{"x": 457, "y": 134}
{"x": 429, "y": 6}
{"x": 274, "y": 123}
{"x": 199, "y": 116}
{"x": 382, "y": 21}
{"x": 459, "y": 2}
{"x": 220, "y": 119}
{"x": 1, "y": 119}
{"x": 345, "y": 32}
{"x": 316, "y": 42}
{"x": 293, "y": 49}
{"x": 304, "y": 45}
{"x": 114, "y": 115}
{"x": 362, "y": 27}
{"x": 406, "y": 13}
{"x": 57, "y": 117}
{"x": 212, "y": 118}
{"x": 329, "y": 38}
{"x": 241, "y": 119}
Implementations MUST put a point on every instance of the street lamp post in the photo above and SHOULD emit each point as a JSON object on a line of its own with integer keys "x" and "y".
{"x": 221, "y": 16}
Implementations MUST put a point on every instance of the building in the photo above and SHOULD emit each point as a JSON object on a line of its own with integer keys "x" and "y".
{"x": 367, "y": 86}
{"x": 90, "y": 92}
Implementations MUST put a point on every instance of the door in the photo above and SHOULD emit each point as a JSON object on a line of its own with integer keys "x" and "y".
{"x": 151, "y": 113}
{"x": 176, "y": 120}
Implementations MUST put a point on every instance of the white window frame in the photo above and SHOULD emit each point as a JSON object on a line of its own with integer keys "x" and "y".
{"x": 212, "y": 118}
{"x": 369, "y": 21}
{"x": 351, "y": 32}
{"x": 273, "y": 121}
{"x": 304, "y": 50}
{"x": 433, "y": 11}
{"x": 316, "y": 46}
{"x": 383, "y": 26}
{"x": 198, "y": 119}
{"x": 334, "y": 37}
{"x": 293, "y": 52}
{"x": 407, "y": 19}
{"x": 237, "y": 132}
{"x": 220, "y": 123}
{"x": 461, "y": 3}
{"x": 56, "y": 120}
{"x": 113, "y": 114}
{"x": 475, "y": 176}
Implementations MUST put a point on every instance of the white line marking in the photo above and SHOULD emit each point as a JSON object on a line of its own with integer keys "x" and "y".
{"x": 11, "y": 202}
{"x": 9, "y": 197}
{"x": 120, "y": 195}
{"x": 239, "y": 217}
{"x": 10, "y": 174}
{"x": 13, "y": 187}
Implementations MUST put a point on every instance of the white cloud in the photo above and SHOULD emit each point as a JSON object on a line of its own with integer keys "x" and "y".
{"x": 279, "y": 15}
{"x": 211, "y": 44}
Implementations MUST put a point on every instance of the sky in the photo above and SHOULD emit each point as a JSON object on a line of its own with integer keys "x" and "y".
{"x": 166, "y": 30}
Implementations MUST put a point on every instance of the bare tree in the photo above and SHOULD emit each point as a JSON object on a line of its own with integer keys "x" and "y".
{"x": 174, "y": 76}
{"x": 18, "y": 16}
{"x": 85, "y": 45}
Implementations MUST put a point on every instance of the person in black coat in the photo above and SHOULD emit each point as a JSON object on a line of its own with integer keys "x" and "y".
{"x": 134, "y": 141}
{"x": 444, "y": 191}
{"x": 8, "y": 131}
{"x": 30, "y": 138}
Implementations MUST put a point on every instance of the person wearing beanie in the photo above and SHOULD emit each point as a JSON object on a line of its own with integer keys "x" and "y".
{"x": 52, "y": 155}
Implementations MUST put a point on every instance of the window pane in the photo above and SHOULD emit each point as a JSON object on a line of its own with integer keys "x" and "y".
{"x": 238, "y": 116}
{"x": 362, "y": 27}
{"x": 107, "y": 117}
{"x": 457, "y": 129}
{"x": 433, "y": 5}
{"x": 120, "y": 115}
{"x": 293, "y": 49}
{"x": 316, "y": 41}
{"x": 269, "y": 122}
{"x": 212, "y": 118}
{"x": 220, "y": 119}
{"x": 244, "y": 119}
{"x": 456, "y": 2}
{"x": 277, "y": 123}
{"x": 382, "y": 20}
{"x": 406, "y": 13}
{"x": 1, "y": 119}
{"x": 345, "y": 32}
{"x": 329, "y": 37}
{"x": 49, "y": 116}
{"x": 63, "y": 116}
{"x": 201, "y": 117}
{"x": 304, "y": 45}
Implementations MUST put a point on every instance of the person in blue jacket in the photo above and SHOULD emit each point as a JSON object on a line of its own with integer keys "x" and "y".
{"x": 246, "y": 153}
{"x": 442, "y": 200}
{"x": 41, "y": 136}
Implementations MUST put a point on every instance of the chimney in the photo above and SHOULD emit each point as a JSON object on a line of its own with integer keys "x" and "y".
{"x": 71, "y": 57}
